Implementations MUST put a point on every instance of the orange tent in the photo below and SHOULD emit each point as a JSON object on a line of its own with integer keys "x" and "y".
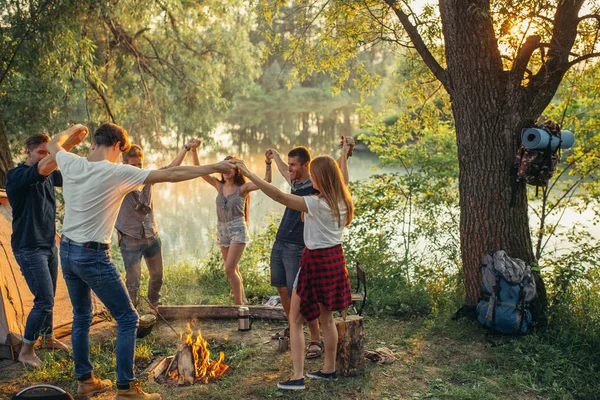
{"x": 15, "y": 298}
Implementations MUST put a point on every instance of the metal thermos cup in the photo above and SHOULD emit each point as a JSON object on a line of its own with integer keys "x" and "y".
{"x": 284, "y": 344}
{"x": 244, "y": 319}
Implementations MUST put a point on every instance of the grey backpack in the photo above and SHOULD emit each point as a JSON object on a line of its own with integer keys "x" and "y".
{"x": 508, "y": 290}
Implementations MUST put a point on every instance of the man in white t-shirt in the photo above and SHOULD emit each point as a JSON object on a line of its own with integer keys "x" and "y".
{"x": 93, "y": 190}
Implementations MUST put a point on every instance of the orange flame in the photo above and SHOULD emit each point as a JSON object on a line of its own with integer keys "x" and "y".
{"x": 205, "y": 367}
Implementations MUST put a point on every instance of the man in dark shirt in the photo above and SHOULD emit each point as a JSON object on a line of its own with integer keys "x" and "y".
{"x": 138, "y": 231}
{"x": 30, "y": 190}
{"x": 289, "y": 241}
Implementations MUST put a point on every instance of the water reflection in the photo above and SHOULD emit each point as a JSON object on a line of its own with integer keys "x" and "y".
{"x": 186, "y": 212}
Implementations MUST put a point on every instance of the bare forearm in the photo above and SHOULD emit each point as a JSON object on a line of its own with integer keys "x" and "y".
{"x": 180, "y": 174}
{"x": 46, "y": 166}
{"x": 195, "y": 159}
{"x": 179, "y": 158}
{"x": 269, "y": 173}
{"x": 343, "y": 162}
{"x": 57, "y": 142}
{"x": 266, "y": 188}
{"x": 281, "y": 165}
{"x": 186, "y": 173}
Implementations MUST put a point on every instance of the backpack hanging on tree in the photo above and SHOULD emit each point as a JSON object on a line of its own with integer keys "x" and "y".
{"x": 536, "y": 166}
{"x": 508, "y": 290}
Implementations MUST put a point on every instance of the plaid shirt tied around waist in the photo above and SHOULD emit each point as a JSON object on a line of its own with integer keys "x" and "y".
{"x": 323, "y": 279}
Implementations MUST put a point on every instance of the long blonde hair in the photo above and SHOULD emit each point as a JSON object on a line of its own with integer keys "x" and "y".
{"x": 326, "y": 174}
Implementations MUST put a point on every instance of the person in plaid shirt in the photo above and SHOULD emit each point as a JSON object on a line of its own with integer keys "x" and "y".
{"x": 322, "y": 285}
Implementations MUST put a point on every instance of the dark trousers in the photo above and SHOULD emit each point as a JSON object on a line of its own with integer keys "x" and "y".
{"x": 132, "y": 251}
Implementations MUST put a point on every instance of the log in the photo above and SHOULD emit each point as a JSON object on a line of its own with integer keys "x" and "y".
{"x": 209, "y": 311}
{"x": 350, "y": 359}
{"x": 185, "y": 366}
{"x": 157, "y": 368}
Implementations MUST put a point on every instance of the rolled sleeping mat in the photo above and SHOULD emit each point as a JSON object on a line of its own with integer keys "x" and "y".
{"x": 538, "y": 139}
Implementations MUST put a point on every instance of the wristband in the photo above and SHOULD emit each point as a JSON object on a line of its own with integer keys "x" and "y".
{"x": 185, "y": 146}
{"x": 268, "y": 162}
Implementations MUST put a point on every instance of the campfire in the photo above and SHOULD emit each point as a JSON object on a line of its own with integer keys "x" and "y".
{"x": 191, "y": 364}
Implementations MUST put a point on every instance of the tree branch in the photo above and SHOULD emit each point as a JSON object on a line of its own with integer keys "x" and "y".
{"x": 523, "y": 57}
{"x": 103, "y": 98}
{"x": 583, "y": 58}
{"x": 589, "y": 16}
{"x": 421, "y": 47}
{"x": 543, "y": 85}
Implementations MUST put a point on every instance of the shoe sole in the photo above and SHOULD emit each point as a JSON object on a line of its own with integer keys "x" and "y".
{"x": 290, "y": 387}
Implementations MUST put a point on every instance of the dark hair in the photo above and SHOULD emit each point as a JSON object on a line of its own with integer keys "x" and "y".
{"x": 301, "y": 153}
{"x": 109, "y": 134}
{"x": 134, "y": 151}
{"x": 34, "y": 141}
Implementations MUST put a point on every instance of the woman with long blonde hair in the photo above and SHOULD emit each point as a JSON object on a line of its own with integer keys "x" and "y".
{"x": 322, "y": 285}
{"x": 233, "y": 200}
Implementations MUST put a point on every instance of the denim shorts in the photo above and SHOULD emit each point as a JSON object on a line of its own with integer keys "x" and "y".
{"x": 235, "y": 231}
{"x": 285, "y": 264}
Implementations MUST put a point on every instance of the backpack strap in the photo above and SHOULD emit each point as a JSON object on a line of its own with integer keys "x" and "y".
{"x": 494, "y": 300}
{"x": 515, "y": 176}
{"x": 521, "y": 304}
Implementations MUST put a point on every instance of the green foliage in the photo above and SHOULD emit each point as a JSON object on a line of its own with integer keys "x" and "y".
{"x": 164, "y": 69}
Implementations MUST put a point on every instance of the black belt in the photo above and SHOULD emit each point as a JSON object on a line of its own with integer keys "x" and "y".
{"x": 87, "y": 245}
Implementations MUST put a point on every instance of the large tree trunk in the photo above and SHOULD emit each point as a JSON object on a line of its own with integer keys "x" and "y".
{"x": 6, "y": 161}
{"x": 488, "y": 121}
{"x": 491, "y": 105}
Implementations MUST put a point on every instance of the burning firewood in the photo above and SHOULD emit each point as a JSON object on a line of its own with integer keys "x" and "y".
{"x": 191, "y": 364}
{"x": 186, "y": 367}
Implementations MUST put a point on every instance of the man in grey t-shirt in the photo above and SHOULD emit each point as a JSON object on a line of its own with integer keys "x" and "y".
{"x": 138, "y": 231}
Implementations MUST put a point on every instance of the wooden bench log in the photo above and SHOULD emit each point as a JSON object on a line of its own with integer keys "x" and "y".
{"x": 350, "y": 359}
{"x": 209, "y": 311}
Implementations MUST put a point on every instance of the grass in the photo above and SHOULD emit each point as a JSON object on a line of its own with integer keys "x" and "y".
{"x": 437, "y": 359}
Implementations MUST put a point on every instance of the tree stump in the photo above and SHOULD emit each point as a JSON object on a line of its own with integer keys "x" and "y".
{"x": 351, "y": 346}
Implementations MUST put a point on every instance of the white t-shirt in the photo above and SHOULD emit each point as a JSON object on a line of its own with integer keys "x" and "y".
{"x": 321, "y": 228}
{"x": 93, "y": 193}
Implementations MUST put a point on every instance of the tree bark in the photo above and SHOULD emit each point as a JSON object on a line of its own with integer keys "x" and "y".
{"x": 350, "y": 360}
{"x": 6, "y": 161}
{"x": 488, "y": 121}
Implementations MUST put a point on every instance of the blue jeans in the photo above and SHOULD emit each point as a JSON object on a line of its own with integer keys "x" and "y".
{"x": 285, "y": 263}
{"x": 39, "y": 266}
{"x": 85, "y": 269}
{"x": 133, "y": 250}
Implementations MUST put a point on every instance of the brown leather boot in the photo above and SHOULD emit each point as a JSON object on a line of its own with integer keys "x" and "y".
{"x": 134, "y": 393}
{"x": 92, "y": 386}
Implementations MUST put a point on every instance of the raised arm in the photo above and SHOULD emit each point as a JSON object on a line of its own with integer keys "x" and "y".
{"x": 281, "y": 165}
{"x": 251, "y": 186}
{"x": 347, "y": 146}
{"x": 196, "y": 161}
{"x": 65, "y": 140}
{"x": 289, "y": 200}
{"x": 192, "y": 144}
{"x": 179, "y": 174}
